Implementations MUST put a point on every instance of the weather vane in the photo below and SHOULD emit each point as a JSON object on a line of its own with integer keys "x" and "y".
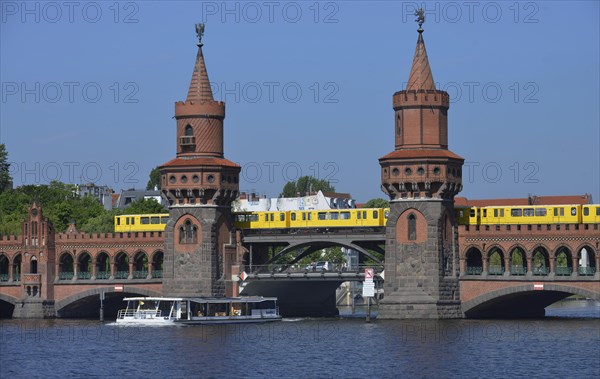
{"x": 420, "y": 13}
{"x": 200, "y": 33}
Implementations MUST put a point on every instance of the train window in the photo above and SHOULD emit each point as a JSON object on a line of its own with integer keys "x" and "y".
{"x": 472, "y": 213}
{"x": 573, "y": 211}
{"x": 375, "y": 215}
{"x": 387, "y": 214}
{"x": 358, "y": 215}
{"x": 562, "y": 211}
{"x": 282, "y": 217}
{"x": 132, "y": 221}
{"x": 501, "y": 212}
{"x": 118, "y": 220}
{"x": 322, "y": 216}
{"x": 266, "y": 217}
{"x": 528, "y": 212}
{"x": 555, "y": 212}
{"x": 516, "y": 212}
{"x": 365, "y": 215}
{"x": 597, "y": 211}
{"x": 461, "y": 214}
{"x": 345, "y": 215}
{"x": 253, "y": 217}
{"x": 144, "y": 220}
{"x": 586, "y": 211}
{"x": 164, "y": 219}
{"x": 126, "y": 220}
{"x": 293, "y": 217}
{"x": 495, "y": 213}
{"x": 540, "y": 211}
{"x": 155, "y": 220}
{"x": 303, "y": 216}
{"x": 272, "y": 217}
{"x": 334, "y": 215}
{"x": 309, "y": 216}
{"x": 485, "y": 213}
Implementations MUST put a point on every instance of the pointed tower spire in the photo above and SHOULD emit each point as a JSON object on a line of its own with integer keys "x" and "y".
{"x": 200, "y": 85}
{"x": 420, "y": 77}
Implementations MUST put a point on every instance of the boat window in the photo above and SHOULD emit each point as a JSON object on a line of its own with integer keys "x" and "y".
{"x": 516, "y": 212}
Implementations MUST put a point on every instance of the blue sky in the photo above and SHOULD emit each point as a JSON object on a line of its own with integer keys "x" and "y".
{"x": 88, "y": 89}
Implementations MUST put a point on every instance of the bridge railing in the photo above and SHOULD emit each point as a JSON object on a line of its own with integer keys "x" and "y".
{"x": 331, "y": 267}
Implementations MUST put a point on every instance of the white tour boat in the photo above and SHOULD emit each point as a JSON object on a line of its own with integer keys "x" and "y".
{"x": 198, "y": 310}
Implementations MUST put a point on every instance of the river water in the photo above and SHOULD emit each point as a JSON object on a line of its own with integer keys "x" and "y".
{"x": 564, "y": 344}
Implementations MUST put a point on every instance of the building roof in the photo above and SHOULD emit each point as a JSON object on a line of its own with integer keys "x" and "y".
{"x": 420, "y": 77}
{"x": 200, "y": 85}
{"x": 200, "y": 161}
{"x": 421, "y": 153}
{"x": 531, "y": 200}
{"x": 337, "y": 195}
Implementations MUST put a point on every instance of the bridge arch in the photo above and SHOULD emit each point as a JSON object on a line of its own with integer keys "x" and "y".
{"x": 521, "y": 301}
{"x": 518, "y": 260}
{"x": 6, "y": 311}
{"x": 495, "y": 260}
{"x": 587, "y": 259}
{"x": 473, "y": 260}
{"x": 317, "y": 245}
{"x": 74, "y": 304}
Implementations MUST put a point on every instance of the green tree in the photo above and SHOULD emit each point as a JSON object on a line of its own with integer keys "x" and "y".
{"x": 377, "y": 203}
{"x": 154, "y": 180}
{"x": 144, "y": 206}
{"x": 103, "y": 223}
{"x": 5, "y": 178}
{"x": 304, "y": 185}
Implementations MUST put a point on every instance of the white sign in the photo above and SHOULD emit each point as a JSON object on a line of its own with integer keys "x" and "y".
{"x": 243, "y": 275}
{"x": 118, "y": 288}
{"x": 368, "y": 289}
{"x": 538, "y": 286}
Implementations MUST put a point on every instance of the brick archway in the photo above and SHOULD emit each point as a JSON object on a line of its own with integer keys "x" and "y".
{"x": 61, "y": 304}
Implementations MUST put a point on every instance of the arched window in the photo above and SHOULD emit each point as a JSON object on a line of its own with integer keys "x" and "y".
{"x": 33, "y": 265}
{"x": 189, "y": 131}
{"x": 188, "y": 233}
{"x": 412, "y": 227}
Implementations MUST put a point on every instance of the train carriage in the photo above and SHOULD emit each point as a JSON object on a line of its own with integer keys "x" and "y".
{"x": 141, "y": 223}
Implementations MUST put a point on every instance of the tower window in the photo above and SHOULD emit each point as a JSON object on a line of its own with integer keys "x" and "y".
{"x": 188, "y": 233}
{"x": 189, "y": 131}
{"x": 412, "y": 227}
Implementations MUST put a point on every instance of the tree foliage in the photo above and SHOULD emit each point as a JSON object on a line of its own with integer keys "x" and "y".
{"x": 304, "y": 185}
{"x": 144, "y": 206}
{"x": 154, "y": 179}
{"x": 377, "y": 203}
{"x": 5, "y": 178}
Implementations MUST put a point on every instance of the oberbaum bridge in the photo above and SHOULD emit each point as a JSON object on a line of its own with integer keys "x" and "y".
{"x": 433, "y": 268}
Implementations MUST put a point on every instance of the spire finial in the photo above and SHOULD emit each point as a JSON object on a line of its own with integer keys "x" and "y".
{"x": 420, "y": 13}
{"x": 200, "y": 33}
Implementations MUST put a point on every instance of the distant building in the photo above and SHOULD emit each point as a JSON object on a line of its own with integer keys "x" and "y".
{"x": 101, "y": 193}
{"x": 129, "y": 196}
{"x": 318, "y": 201}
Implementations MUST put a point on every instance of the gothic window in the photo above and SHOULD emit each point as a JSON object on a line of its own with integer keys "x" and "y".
{"x": 412, "y": 227}
{"x": 189, "y": 131}
{"x": 188, "y": 233}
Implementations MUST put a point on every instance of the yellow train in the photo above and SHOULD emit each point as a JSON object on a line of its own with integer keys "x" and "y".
{"x": 529, "y": 214}
{"x": 377, "y": 217}
{"x": 334, "y": 218}
{"x": 141, "y": 223}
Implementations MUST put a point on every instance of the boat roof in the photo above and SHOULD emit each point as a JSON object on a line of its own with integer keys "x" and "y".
{"x": 241, "y": 299}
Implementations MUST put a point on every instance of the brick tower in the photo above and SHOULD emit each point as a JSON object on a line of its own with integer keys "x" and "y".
{"x": 200, "y": 185}
{"x": 421, "y": 177}
{"x": 38, "y": 267}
